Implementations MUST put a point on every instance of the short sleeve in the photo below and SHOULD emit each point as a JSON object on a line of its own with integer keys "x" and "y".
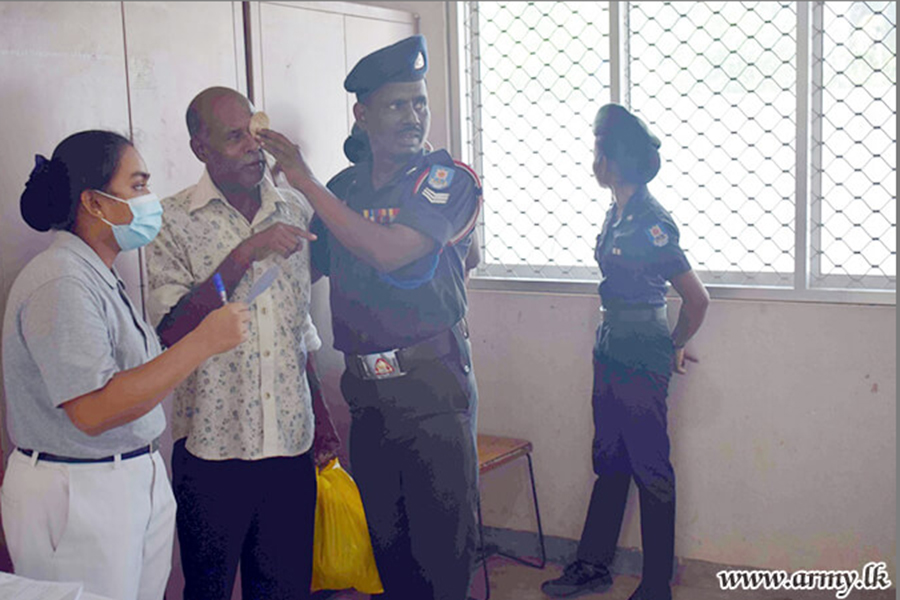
{"x": 68, "y": 336}
{"x": 668, "y": 257}
{"x": 444, "y": 205}
{"x": 168, "y": 274}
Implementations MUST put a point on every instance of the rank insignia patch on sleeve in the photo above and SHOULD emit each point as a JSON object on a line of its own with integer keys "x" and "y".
{"x": 435, "y": 197}
{"x": 439, "y": 177}
{"x": 658, "y": 236}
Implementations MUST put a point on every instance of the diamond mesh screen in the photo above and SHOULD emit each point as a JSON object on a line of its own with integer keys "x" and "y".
{"x": 544, "y": 70}
{"x": 854, "y": 210}
{"x": 717, "y": 82}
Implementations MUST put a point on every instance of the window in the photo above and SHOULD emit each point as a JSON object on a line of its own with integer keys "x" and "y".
{"x": 777, "y": 123}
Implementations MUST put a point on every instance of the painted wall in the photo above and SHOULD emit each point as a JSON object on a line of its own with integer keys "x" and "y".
{"x": 783, "y": 437}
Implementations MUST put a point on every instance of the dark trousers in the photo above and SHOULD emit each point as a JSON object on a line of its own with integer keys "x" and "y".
{"x": 414, "y": 459}
{"x": 261, "y": 513}
{"x": 630, "y": 440}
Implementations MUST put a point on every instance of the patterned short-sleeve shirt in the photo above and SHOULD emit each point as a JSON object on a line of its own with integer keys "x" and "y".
{"x": 252, "y": 402}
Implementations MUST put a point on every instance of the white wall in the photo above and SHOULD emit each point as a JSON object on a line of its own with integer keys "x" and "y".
{"x": 783, "y": 437}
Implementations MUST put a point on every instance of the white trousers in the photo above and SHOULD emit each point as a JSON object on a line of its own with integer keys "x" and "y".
{"x": 109, "y": 525}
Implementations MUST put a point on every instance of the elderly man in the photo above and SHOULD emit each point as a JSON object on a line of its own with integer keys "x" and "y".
{"x": 396, "y": 230}
{"x": 243, "y": 471}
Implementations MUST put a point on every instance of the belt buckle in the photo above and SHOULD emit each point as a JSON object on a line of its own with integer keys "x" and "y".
{"x": 381, "y": 365}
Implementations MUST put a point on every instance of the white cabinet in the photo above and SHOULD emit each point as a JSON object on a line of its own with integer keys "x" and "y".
{"x": 302, "y": 51}
{"x": 175, "y": 50}
{"x": 62, "y": 70}
{"x": 128, "y": 67}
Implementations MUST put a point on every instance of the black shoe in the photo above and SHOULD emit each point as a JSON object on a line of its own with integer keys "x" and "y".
{"x": 579, "y": 578}
{"x": 663, "y": 592}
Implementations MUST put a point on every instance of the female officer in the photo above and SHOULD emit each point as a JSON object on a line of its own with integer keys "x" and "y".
{"x": 86, "y": 496}
{"x": 634, "y": 357}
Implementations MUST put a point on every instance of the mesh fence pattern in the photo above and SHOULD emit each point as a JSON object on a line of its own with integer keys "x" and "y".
{"x": 854, "y": 210}
{"x": 717, "y": 82}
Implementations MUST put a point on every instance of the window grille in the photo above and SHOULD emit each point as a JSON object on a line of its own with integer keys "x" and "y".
{"x": 544, "y": 71}
{"x": 770, "y": 114}
{"x": 854, "y": 177}
{"x": 715, "y": 81}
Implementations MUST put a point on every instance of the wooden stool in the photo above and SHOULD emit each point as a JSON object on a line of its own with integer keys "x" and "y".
{"x": 493, "y": 452}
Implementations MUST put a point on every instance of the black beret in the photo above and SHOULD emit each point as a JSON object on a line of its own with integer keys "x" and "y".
{"x": 407, "y": 60}
{"x": 614, "y": 120}
{"x": 628, "y": 142}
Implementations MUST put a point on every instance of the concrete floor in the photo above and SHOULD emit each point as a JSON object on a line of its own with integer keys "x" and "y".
{"x": 512, "y": 581}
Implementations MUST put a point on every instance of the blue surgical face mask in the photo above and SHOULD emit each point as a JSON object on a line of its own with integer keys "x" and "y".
{"x": 146, "y": 219}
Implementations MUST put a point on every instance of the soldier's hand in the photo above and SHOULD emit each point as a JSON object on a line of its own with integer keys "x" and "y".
{"x": 680, "y": 361}
{"x": 281, "y": 239}
{"x": 289, "y": 159}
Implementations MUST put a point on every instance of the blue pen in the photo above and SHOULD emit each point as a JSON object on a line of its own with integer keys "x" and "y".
{"x": 220, "y": 287}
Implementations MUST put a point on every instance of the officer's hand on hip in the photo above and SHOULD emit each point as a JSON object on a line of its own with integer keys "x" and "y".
{"x": 281, "y": 239}
{"x": 680, "y": 361}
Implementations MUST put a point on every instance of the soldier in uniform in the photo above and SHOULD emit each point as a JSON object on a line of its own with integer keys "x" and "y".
{"x": 634, "y": 356}
{"x": 394, "y": 232}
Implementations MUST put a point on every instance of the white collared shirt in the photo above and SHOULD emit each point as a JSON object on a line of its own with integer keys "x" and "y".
{"x": 252, "y": 402}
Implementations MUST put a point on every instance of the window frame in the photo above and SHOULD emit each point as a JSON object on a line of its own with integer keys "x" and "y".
{"x": 809, "y": 49}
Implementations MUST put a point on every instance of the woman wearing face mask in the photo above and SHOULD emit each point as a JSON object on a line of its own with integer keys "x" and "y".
{"x": 86, "y": 496}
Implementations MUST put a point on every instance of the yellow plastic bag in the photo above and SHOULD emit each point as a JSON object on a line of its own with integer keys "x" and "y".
{"x": 342, "y": 549}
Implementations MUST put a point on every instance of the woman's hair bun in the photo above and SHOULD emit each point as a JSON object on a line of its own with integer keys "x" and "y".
{"x": 356, "y": 147}
{"x": 85, "y": 160}
{"x": 45, "y": 201}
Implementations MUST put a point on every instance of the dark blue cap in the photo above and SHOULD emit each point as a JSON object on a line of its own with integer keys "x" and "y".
{"x": 407, "y": 60}
{"x": 628, "y": 142}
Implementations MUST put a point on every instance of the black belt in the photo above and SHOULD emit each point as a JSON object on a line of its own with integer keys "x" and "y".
{"x": 637, "y": 314}
{"x": 151, "y": 447}
{"x": 430, "y": 349}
